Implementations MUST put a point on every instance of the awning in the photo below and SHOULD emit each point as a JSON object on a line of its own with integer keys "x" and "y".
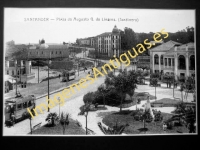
{"x": 11, "y": 81}
{"x": 8, "y": 78}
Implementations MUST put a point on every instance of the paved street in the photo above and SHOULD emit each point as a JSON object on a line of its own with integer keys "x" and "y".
{"x": 73, "y": 104}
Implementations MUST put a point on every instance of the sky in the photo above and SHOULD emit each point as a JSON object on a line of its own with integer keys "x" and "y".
{"x": 19, "y": 29}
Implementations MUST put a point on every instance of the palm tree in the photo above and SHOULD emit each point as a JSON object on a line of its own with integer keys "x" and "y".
{"x": 115, "y": 130}
{"x": 64, "y": 120}
{"x": 52, "y": 117}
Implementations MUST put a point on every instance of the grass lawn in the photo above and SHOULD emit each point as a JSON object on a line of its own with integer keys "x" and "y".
{"x": 71, "y": 129}
{"x": 136, "y": 127}
{"x": 167, "y": 102}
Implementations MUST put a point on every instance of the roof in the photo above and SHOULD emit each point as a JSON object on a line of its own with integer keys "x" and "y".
{"x": 170, "y": 53}
{"x": 165, "y": 46}
{"x": 53, "y": 47}
{"x": 105, "y": 34}
{"x": 189, "y": 45}
{"x": 20, "y": 99}
{"x": 7, "y": 77}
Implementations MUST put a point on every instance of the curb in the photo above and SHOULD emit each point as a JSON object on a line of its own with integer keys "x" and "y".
{"x": 56, "y": 91}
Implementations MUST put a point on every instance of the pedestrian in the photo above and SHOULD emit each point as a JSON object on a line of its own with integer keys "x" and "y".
{"x": 164, "y": 127}
{"x": 167, "y": 83}
{"x": 59, "y": 76}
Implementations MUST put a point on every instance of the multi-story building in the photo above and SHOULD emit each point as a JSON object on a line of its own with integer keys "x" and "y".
{"x": 173, "y": 58}
{"x": 106, "y": 44}
{"x": 18, "y": 68}
{"x": 44, "y": 51}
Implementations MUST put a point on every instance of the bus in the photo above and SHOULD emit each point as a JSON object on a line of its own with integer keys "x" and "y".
{"x": 18, "y": 107}
{"x": 68, "y": 75}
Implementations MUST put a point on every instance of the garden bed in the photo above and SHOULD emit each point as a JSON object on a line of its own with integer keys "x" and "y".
{"x": 166, "y": 102}
{"x": 136, "y": 127}
{"x": 71, "y": 129}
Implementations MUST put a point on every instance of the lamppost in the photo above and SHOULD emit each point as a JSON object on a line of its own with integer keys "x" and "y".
{"x": 16, "y": 76}
{"x": 38, "y": 71}
{"x": 59, "y": 106}
{"x": 86, "y": 114}
{"x": 49, "y": 62}
{"x": 173, "y": 85}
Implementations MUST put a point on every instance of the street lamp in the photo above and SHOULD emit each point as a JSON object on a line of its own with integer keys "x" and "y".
{"x": 173, "y": 85}
{"x": 86, "y": 114}
{"x": 16, "y": 76}
{"x": 59, "y": 106}
{"x": 38, "y": 71}
{"x": 49, "y": 62}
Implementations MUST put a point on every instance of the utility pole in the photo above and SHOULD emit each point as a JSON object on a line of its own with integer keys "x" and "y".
{"x": 48, "y": 86}
{"x": 48, "y": 81}
{"x": 38, "y": 72}
{"x": 16, "y": 76}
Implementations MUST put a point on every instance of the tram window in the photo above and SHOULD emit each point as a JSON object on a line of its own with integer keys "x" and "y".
{"x": 8, "y": 109}
{"x": 29, "y": 103}
{"x": 14, "y": 107}
{"x": 25, "y": 105}
{"x": 19, "y": 106}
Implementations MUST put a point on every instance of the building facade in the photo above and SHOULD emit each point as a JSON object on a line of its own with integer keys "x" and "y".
{"x": 173, "y": 58}
{"x": 45, "y": 51}
{"x": 106, "y": 44}
{"x": 20, "y": 69}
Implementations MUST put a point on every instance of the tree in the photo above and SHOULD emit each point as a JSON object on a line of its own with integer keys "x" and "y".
{"x": 124, "y": 83}
{"x": 102, "y": 89}
{"x": 128, "y": 39}
{"x": 89, "y": 98}
{"x": 64, "y": 121}
{"x": 115, "y": 130}
{"x": 182, "y": 87}
{"x": 51, "y": 118}
{"x": 154, "y": 81}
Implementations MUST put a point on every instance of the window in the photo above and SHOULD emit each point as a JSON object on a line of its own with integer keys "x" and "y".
{"x": 169, "y": 59}
{"x": 172, "y": 61}
{"x": 19, "y": 106}
{"x": 11, "y": 63}
{"x": 192, "y": 62}
{"x": 165, "y": 61}
{"x": 181, "y": 61}
{"x": 161, "y": 60}
{"x": 30, "y": 103}
{"x": 156, "y": 61}
{"x": 25, "y": 105}
{"x": 8, "y": 108}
